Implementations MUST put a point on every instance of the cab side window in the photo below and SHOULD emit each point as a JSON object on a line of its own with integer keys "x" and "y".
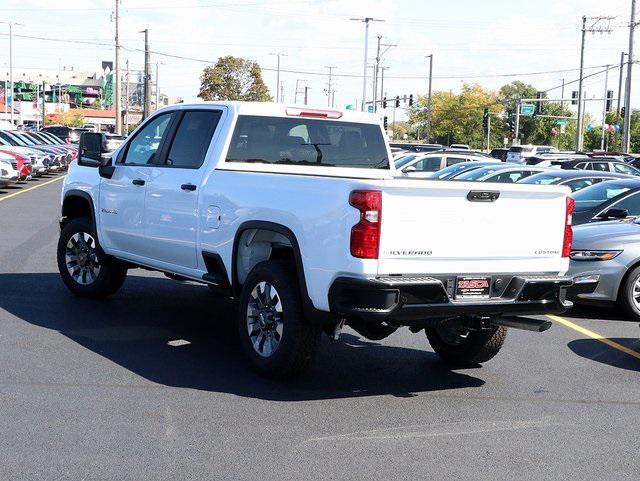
{"x": 143, "y": 147}
{"x": 192, "y": 139}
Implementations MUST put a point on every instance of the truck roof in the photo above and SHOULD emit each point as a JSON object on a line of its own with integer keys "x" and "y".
{"x": 273, "y": 109}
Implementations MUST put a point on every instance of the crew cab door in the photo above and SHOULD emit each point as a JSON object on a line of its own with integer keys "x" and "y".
{"x": 171, "y": 210}
{"x": 122, "y": 197}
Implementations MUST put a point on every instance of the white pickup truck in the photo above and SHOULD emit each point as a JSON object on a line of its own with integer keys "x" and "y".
{"x": 298, "y": 214}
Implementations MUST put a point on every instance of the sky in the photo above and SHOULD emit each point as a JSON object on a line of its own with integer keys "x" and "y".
{"x": 489, "y": 42}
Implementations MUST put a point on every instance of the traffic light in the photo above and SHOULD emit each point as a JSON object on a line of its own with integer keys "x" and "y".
{"x": 485, "y": 119}
{"x": 397, "y": 101}
{"x": 574, "y": 98}
{"x": 410, "y": 100}
{"x": 609, "y": 104}
{"x": 540, "y": 103}
{"x": 385, "y": 123}
{"x": 384, "y": 103}
{"x": 622, "y": 111}
{"x": 510, "y": 122}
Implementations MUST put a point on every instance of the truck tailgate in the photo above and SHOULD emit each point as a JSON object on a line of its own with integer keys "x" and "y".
{"x": 431, "y": 227}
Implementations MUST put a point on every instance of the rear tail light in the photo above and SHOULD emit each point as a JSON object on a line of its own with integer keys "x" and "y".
{"x": 365, "y": 235}
{"x": 568, "y": 230}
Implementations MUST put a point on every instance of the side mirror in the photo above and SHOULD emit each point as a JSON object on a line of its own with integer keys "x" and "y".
{"x": 94, "y": 151}
{"x": 614, "y": 214}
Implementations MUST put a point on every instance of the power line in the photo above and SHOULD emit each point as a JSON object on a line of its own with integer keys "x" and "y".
{"x": 317, "y": 73}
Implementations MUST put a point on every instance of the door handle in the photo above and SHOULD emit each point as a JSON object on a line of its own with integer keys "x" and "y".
{"x": 188, "y": 187}
{"x": 137, "y": 182}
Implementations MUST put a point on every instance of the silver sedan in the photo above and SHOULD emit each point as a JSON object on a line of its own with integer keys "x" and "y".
{"x": 605, "y": 264}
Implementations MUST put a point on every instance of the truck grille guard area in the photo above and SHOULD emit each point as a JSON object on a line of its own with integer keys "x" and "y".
{"x": 417, "y": 299}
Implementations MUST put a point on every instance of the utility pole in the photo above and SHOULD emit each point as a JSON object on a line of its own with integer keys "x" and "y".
{"x": 375, "y": 75}
{"x": 11, "y": 24}
{"x": 489, "y": 133}
{"x": 329, "y": 86}
{"x": 157, "y": 87}
{"x": 279, "y": 96}
{"x": 430, "y": 57}
{"x": 622, "y": 54}
{"x": 126, "y": 103}
{"x": 118, "y": 88}
{"x": 306, "y": 95}
{"x": 604, "y": 105}
{"x": 366, "y": 21}
{"x": 626, "y": 131}
{"x": 562, "y": 95}
{"x": 147, "y": 75}
{"x": 382, "y": 69}
{"x": 379, "y": 56}
{"x": 44, "y": 98}
{"x": 516, "y": 139}
{"x": 593, "y": 28}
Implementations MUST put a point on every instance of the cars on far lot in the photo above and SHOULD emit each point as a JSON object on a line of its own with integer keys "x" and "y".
{"x": 460, "y": 146}
{"x": 574, "y": 179}
{"x": 520, "y": 153}
{"x": 605, "y": 265}
{"x": 56, "y": 156}
{"x": 9, "y": 172}
{"x": 69, "y": 135}
{"x": 611, "y": 199}
{"x": 410, "y": 147}
{"x": 554, "y": 160}
{"x": 601, "y": 164}
{"x": 500, "y": 153}
{"x": 19, "y": 162}
{"x": 425, "y": 165}
{"x": 39, "y": 160}
{"x": 501, "y": 173}
{"x": 455, "y": 169}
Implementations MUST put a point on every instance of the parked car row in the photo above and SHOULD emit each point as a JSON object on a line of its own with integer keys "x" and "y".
{"x": 25, "y": 155}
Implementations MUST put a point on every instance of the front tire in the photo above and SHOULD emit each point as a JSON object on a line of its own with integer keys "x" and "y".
{"x": 84, "y": 267}
{"x": 629, "y": 295}
{"x": 274, "y": 333}
{"x": 466, "y": 348}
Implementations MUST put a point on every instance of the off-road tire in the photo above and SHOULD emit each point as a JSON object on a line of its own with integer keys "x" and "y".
{"x": 112, "y": 272}
{"x": 300, "y": 338}
{"x": 478, "y": 347}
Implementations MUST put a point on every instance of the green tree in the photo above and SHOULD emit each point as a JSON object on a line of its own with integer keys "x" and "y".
{"x": 457, "y": 118}
{"x": 233, "y": 78}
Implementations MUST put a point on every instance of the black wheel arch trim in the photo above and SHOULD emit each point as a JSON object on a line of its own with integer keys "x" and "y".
{"x": 84, "y": 195}
{"x": 309, "y": 309}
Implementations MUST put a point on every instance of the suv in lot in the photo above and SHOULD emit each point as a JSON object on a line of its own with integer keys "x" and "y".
{"x": 69, "y": 135}
{"x": 298, "y": 215}
{"x": 520, "y": 153}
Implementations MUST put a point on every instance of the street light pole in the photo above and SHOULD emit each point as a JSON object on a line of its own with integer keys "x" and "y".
{"x": 118, "y": 86}
{"x": 366, "y": 21}
{"x": 329, "y": 87}
{"x": 626, "y": 138}
{"x": 430, "y": 56}
{"x": 146, "y": 111}
{"x": 580, "y": 81}
{"x": 622, "y": 54}
{"x": 604, "y": 105}
{"x": 279, "y": 97}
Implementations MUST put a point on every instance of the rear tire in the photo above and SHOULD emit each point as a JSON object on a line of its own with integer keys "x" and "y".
{"x": 464, "y": 350}
{"x": 274, "y": 334}
{"x": 629, "y": 295}
{"x": 84, "y": 267}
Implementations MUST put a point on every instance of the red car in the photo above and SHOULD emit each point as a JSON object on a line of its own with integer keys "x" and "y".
{"x": 22, "y": 164}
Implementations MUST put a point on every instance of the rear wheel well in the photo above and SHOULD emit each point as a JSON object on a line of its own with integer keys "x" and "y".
{"x": 75, "y": 206}
{"x": 256, "y": 245}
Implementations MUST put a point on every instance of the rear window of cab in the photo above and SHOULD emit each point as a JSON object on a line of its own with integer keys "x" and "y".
{"x": 302, "y": 141}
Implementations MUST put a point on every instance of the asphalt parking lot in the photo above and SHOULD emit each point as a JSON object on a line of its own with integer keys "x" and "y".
{"x": 150, "y": 385}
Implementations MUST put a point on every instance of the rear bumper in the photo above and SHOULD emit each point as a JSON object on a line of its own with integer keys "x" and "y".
{"x": 407, "y": 299}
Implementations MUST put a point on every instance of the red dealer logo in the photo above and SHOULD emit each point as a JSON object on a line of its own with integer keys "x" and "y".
{"x": 473, "y": 284}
